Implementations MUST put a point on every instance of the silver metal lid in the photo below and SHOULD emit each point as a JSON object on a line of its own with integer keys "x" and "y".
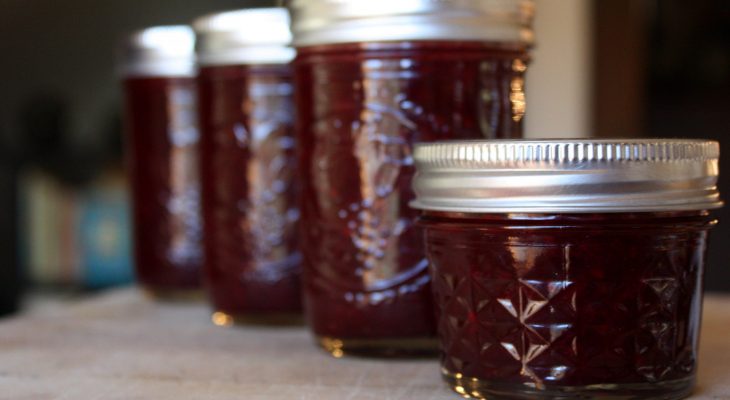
{"x": 567, "y": 176}
{"x": 250, "y": 36}
{"x": 316, "y": 22}
{"x": 158, "y": 51}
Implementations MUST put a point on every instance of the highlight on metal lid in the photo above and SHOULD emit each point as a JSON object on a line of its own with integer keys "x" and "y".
{"x": 158, "y": 51}
{"x": 316, "y": 22}
{"x": 567, "y": 176}
{"x": 249, "y": 36}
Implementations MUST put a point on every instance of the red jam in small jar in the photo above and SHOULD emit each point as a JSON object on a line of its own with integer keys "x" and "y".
{"x": 364, "y": 97}
{"x": 252, "y": 268}
{"x": 568, "y": 269}
{"x": 162, "y": 135}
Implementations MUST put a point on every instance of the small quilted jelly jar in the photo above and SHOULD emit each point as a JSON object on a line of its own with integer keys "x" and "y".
{"x": 568, "y": 268}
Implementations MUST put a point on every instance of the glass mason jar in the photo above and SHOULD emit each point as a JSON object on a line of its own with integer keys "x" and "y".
{"x": 157, "y": 71}
{"x": 568, "y": 268}
{"x": 252, "y": 268}
{"x": 373, "y": 77}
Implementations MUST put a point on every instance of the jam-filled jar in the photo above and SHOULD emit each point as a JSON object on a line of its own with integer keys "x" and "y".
{"x": 373, "y": 77}
{"x": 158, "y": 76}
{"x": 568, "y": 268}
{"x": 252, "y": 266}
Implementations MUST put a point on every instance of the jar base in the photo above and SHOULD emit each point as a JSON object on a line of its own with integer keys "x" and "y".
{"x": 174, "y": 295}
{"x": 480, "y": 389}
{"x": 224, "y": 319}
{"x": 418, "y": 347}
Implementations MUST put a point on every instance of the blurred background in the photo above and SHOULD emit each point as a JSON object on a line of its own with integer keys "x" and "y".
{"x": 626, "y": 68}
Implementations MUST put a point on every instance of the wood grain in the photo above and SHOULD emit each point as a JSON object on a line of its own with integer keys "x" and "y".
{"x": 122, "y": 346}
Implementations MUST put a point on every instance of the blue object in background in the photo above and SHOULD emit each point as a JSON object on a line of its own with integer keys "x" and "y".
{"x": 104, "y": 238}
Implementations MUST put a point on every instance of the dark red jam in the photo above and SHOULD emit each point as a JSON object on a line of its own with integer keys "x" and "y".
{"x": 553, "y": 301}
{"x": 162, "y": 139}
{"x": 249, "y": 192}
{"x": 360, "y": 107}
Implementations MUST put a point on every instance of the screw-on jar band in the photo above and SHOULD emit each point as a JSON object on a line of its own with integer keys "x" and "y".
{"x": 567, "y": 176}
{"x": 317, "y": 22}
{"x": 250, "y": 36}
{"x": 158, "y": 51}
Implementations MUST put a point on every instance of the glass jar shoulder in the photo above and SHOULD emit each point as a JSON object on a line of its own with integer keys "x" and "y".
{"x": 563, "y": 221}
{"x": 411, "y": 49}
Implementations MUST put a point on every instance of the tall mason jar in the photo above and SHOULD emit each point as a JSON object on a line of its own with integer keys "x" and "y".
{"x": 373, "y": 77}
{"x": 252, "y": 268}
{"x": 157, "y": 72}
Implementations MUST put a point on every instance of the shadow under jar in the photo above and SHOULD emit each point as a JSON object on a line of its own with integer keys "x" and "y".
{"x": 568, "y": 269}
{"x": 162, "y": 159}
{"x": 373, "y": 78}
{"x": 252, "y": 268}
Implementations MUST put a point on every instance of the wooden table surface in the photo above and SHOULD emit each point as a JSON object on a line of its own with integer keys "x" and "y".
{"x": 120, "y": 345}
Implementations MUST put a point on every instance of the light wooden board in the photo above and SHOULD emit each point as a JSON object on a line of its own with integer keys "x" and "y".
{"x": 123, "y": 346}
